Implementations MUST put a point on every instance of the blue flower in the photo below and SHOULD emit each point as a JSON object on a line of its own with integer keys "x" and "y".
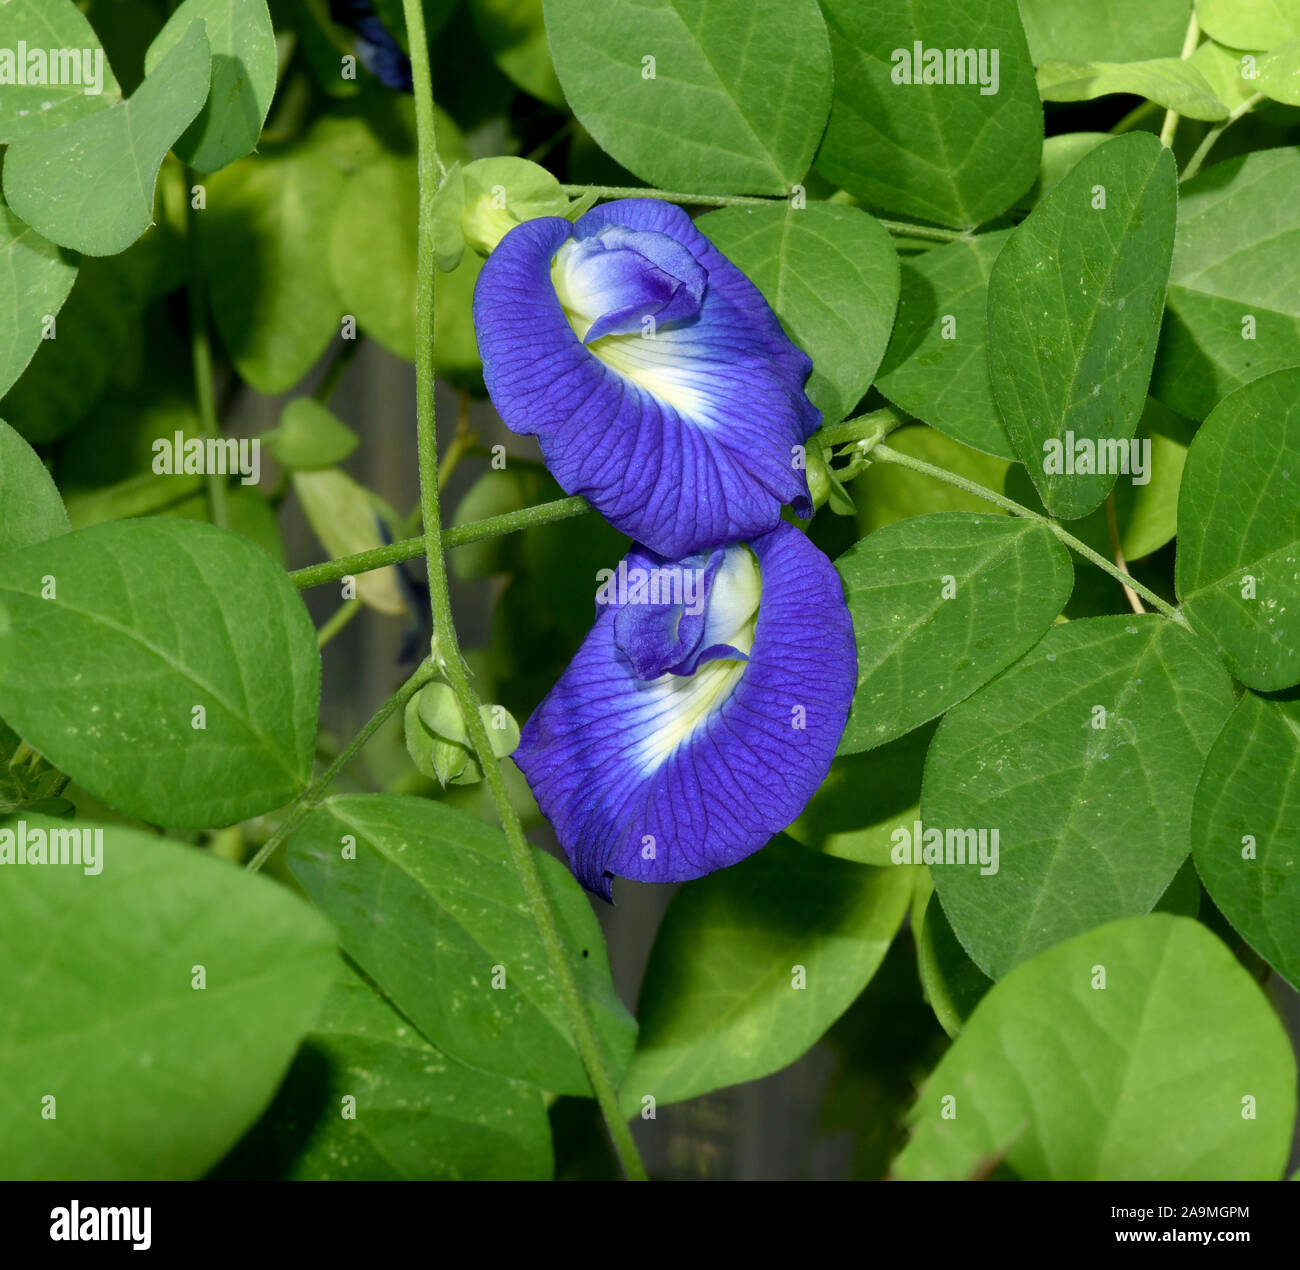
{"x": 700, "y": 714}
{"x": 376, "y": 49}
{"x": 656, "y": 378}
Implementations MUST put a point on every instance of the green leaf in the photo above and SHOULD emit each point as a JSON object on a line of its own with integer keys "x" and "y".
{"x": 31, "y": 510}
{"x": 937, "y": 365}
{"x": 373, "y": 263}
{"x": 1060, "y": 154}
{"x": 372, "y": 250}
{"x": 419, "y": 1116}
{"x": 1234, "y": 295}
{"x": 1238, "y": 564}
{"x": 1104, "y": 30}
{"x": 940, "y": 605}
{"x": 515, "y": 34}
{"x": 497, "y": 491}
{"x": 155, "y": 1073}
{"x": 732, "y": 100}
{"x": 89, "y": 185}
{"x": 456, "y": 353}
{"x": 952, "y": 152}
{"x": 145, "y": 621}
{"x": 35, "y": 278}
{"x": 1074, "y": 309}
{"x": 1090, "y": 744}
{"x": 1147, "y": 513}
{"x": 1246, "y": 828}
{"x": 1279, "y": 74}
{"x": 28, "y": 109}
{"x": 105, "y": 468}
{"x": 1167, "y": 81}
{"x": 99, "y": 334}
{"x": 722, "y": 1000}
{"x": 864, "y": 798}
{"x": 1143, "y": 1079}
{"x": 831, "y": 275}
{"x": 242, "y": 41}
{"x": 309, "y": 437}
{"x": 262, "y": 240}
{"x": 1249, "y": 24}
{"x": 885, "y": 493}
{"x": 454, "y": 911}
{"x": 1232, "y": 75}
{"x": 481, "y": 202}
{"x": 342, "y": 515}
{"x": 953, "y": 984}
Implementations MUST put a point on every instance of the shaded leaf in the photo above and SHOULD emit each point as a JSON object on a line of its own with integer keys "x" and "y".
{"x": 419, "y": 1116}
{"x": 937, "y": 365}
{"x": 262, "y": 239}
{"x": 723, "y": 1000}
{"x": 242, "y": 42}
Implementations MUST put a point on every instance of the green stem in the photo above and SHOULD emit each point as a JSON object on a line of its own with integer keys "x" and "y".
{"x": 935, "y": 233}
{"x": 310, "y": 798}
{"x": 884, "y": 454}
{"x": 446, "y": 654}
{"x": 201, "y": 354}
{"x": 1170, "y": 125}
{"x": 862, "y": 427}
{"x": 459, "y": 536}
{"x": 1198, "y": 157}
{"x": 529, "y": 517}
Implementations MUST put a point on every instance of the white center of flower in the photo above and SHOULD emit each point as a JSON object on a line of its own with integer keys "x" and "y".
{"x": 654, "y": 359}
{"x": 676, "y": 705}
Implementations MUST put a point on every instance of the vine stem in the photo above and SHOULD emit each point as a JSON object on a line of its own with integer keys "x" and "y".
{"x": 1117, "y": 550}
{"x": 525, "y": 518}
{"x": 460, "y": 536}
{"x": 457, "y": 450}
{"x": 936, "y": 233}
{"x": 201, "y": 353}
{"x": 446, "y": 654}
{"x": 1207, "y": 143}
{"x": 884, "y": 454}
{"x": 310, "y": 798}
{"x": 1170, "y": 125}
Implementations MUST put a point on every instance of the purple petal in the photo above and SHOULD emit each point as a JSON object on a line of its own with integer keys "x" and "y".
{"x": 667, "y": 779}
{"x": 684, "y": 440}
